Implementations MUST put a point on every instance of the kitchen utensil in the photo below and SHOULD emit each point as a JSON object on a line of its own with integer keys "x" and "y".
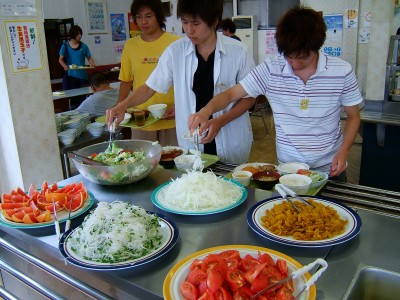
{"x": 284, "y": 195}
{"x": 112, "y": 133}
{"x": 319, "y": 262}
{"x": 68, "y": 223}
{"x": 196, "y": 139}
{"x": 86, "y": 159}
{"x": 56, "y": 223}
{"x": 294, "y": 195}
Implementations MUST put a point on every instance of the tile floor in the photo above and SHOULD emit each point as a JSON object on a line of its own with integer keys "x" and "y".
{"x": 264, "y": 150}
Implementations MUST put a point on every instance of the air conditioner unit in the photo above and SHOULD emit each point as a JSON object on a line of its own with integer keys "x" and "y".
{"x": 246, "y": 30}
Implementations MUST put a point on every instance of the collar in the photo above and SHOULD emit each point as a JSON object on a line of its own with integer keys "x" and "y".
{"x": 220, "y": 48}
{"x": 321, "y": 65}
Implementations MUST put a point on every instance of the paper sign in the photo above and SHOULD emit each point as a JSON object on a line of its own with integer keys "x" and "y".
{"x": 18, "y": 8}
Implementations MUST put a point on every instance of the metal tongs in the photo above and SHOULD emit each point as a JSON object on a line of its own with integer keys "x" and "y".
{"x": 85, "y": 159}
{"x": 284, "y": 191}
{"x": 196, "y": 138}
{"x": 56, "y": 223}
{"x": 296, "y": 274}
{"x": 112, "y": 133}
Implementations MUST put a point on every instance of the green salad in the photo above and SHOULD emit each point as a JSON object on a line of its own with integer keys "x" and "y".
{"x": 118, "y": 156}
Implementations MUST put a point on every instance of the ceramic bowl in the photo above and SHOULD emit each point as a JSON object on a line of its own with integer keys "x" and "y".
{"x": 184, "y": 162}
{"x": 300, "y": 184}
{"x": 157, "y": 110}
{"x": 242, "y": 176}
{"x": 126, "y": 119}
{"x": 266, "y": 180}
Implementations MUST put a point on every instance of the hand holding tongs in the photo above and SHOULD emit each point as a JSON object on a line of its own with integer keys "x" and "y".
{"x": 297, "y": 274}
{"x": 196, "y": 138}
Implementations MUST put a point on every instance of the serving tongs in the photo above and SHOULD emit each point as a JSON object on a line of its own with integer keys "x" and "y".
{"x": 56, "y": 223}
{"x": 86, "y": 160}
{"x": 294, "y": 195}
{"x": 112, "y": 133}
{"x": 281, "y": 191}
{"x": 323, "y": 265}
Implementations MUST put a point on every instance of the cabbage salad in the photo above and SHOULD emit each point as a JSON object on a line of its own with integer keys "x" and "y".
{"x": 118, "y": 156}
{"x": 116, "y": 232}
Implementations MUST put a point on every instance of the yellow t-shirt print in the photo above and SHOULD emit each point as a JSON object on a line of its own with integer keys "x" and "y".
{"x": 304, "y": 104}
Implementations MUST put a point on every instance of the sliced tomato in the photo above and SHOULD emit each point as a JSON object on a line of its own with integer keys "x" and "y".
{"x": 196, "y": 264}
{"x": 208, "y": 295}
{"x": 244, "y": 293}
{"x": 202, "y": 287}
{"x": 214, "y": 279}
{"x": 189, "y": 291}
{"x": 235, "y": 279}
{"x": 247, "y": 263}
{"x": 284, "y": 294}
{"x": 210, "y": 262}
{"x": 304, "y": 172}
{"x": 282, "y": 267}
{"x": 196, "y": 276}
{"x": 259, "y": 283}
{"x": 222, "y": 294}
{"x": 253, "y": 272}
{"x": 232, "y": 263}
{"x": 228, "y": 254}
{"x": 265, "y": 258}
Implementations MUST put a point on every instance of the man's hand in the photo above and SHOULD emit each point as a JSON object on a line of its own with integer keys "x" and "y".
{"x": 214, "y": 126}
{"x": 169, "y": 113}
{"x": 339, "y": 163}
{"x": 117, "y": 111}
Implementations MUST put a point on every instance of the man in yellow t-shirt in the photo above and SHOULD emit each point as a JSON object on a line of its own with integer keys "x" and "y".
{"x": 139, "y": 58}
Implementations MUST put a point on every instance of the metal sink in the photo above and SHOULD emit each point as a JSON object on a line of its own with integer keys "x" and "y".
{"x": 374, "y": 283}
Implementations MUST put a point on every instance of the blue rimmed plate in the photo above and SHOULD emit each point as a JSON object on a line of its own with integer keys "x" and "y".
{"x": 168, "y": 230}
{"x": 62, "y": 216}
{"x": 352, "y": 229}
{"x": 158, "y": 192}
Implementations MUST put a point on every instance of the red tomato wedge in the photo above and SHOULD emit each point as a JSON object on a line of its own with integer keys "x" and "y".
{"x": 227, "y": 280}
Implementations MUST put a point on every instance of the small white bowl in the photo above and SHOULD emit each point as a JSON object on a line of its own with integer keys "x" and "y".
{"x": 66, "y": 140}
{"x": 292, "y": 167}
{"x": 184, "y": 162}
{"x": 242, "y": 176}
{"x": 157, "y": 110}
{"x": 300, "y": 184}
{"x": 126, "y": 119}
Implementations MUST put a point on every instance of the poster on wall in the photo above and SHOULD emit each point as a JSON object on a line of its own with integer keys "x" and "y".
{"x": 118, "y": 31}
{"x": 364, "y": 35}
{"x": 334, "y": 35}
{"x": 351, "y": 18}
{"x": 270, "y": 42}
{"x": 96, "y": 16}
{"x": 23, "y": 45}
{"x": 133, "y": 28}
{"x": 12, "y": 8}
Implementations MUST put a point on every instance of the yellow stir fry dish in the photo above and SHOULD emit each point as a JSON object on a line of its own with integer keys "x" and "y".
{"x": 311, "y": 224}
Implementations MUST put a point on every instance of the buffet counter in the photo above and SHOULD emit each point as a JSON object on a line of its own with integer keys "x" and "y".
{"x": 376, "y": 245}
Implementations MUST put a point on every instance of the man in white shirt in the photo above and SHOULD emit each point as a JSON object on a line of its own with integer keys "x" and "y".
{"x": 200, "y": 66}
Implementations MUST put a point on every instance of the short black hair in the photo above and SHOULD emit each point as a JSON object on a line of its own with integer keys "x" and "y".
{"x": 75, "y": 31}
{"x": 210, "y": 11}
{"x": 97, "y": 79}
{"x": 228, "y": 24}
{"x": 154, "y": 5}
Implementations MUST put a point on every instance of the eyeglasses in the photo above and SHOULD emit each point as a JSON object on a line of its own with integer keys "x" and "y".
{"x": 140, "y": 18}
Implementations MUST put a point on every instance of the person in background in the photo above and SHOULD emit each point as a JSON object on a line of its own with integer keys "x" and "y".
{"x": 103, "y": 97}
{"x": 139, "y": 58}
{"x": 307, "y": 91}
{"x": 74, "y": 53}
{"x": 200, "y": 66}
{"x": 229, "y": 28}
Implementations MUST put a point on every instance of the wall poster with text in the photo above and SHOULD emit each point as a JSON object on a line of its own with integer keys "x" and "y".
{"x": 96, "y": 16}
{"x": 334, "y": 35}
{"x": 23, "y": 45}
{"x": 118, "y": 30}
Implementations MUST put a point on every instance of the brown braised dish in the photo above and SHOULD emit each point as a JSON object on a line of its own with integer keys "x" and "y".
{"x": 167, "y": 157}
{"x": 266, "y": 179}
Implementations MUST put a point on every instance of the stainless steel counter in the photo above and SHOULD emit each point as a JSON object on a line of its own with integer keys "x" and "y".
{"x": 376, "y": 245}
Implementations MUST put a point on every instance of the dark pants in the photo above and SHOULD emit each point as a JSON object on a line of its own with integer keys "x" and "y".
{"x": 70, "y": 82}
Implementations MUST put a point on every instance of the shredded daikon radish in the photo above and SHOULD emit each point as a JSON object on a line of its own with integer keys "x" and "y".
{"x": 197, "y": 191}
{"x": 116, "y": 232}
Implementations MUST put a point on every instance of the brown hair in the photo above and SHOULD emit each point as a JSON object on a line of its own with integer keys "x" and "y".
{"x": 75, "y": 31}
{"x": 154, "y": 5}
{"x": 210, "y": 11}
{"x": 299, "y": 31}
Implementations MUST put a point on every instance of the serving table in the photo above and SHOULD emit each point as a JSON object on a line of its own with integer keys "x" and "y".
{"x": 376, "y": 244}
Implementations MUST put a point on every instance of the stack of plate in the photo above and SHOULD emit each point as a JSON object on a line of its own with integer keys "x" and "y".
{"x": 75, "y": 123}
{"x": 67, "y": 137}
{"x": 70, "y": 113}
{"x": 95, "y": 129}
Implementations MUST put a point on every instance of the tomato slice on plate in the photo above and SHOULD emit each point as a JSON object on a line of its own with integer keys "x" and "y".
{"x": 228, "y": 254}
{"x": 196, "y": 276}
{"x": 214, "y": 279}
{"x": 247, "y": 263}
{"x": 235, "y": 279}
{"x": 189, "y": 291}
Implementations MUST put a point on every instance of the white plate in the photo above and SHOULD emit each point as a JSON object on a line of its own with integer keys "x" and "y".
{"x": 256, "y": 164}
{"x": 168, "y": 230}
{"x": 175, "y": 277}
{"x": 352, "y": 228}
{"x": 160, "y": 190}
